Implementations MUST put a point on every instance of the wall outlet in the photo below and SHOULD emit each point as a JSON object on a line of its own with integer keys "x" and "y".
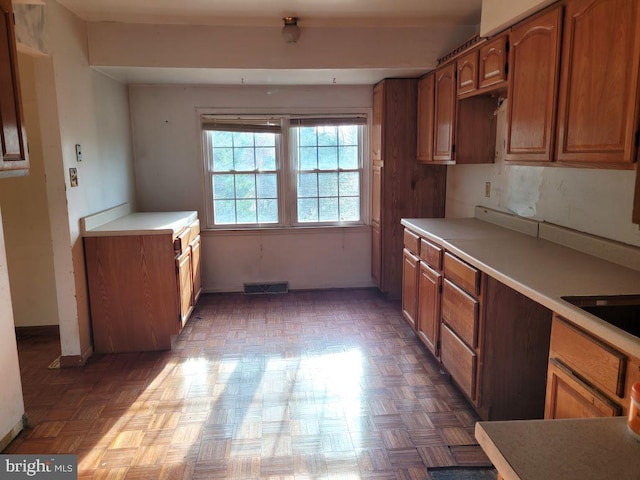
{"x": 78, "y": 152}
{"x": 487, "y": 189}
{"x": 73, "y": 177}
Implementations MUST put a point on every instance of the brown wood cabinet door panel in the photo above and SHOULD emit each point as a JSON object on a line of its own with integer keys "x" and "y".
{"x": 570, "y": 397}
{"x": 376, "y": 194}
{"x": 493, "y": 60}
{"x": 462, "y": 274}
{"x": 376, "y": 124}
{"x": 459, "y": 361}
{"x": 431, "y": 253}
{"x": 598, "y": 107}
{"x": 196, "y": 269}
{"x": 412, "y": 241}
{"x": 426, "y": 99}
{"x": 376, "y": 255}
{"x": 534, "y": 60}
{"x": 593, "y": 360}
{"x": 428, "y": 320}
{"x": 410, "y": 287}
{"x": 460, "y": 312}
{"x": 185, "y": 284}
{"x": 13, "y": 140}
{"x": 445, "y": 112}
{"x": 468, "y": 72}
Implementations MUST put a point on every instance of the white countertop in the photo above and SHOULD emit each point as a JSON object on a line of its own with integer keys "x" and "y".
{"x": 540, "y": 269}
{"x": 576, "y": 449}
{"x": 150, "y": 223}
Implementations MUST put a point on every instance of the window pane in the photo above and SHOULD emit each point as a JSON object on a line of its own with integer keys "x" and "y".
{"x": 224, "y": 211}
{"x": 327, "y": 158}
{"x": 246, "y": 211}
{"x": 348, "y": 157}
{"x": 222, "y": 159}
{"x": 308, "y": 185}
{"x": 221, "y": 139}
{"x": 349, "y": 209}
{"x": 244, "y": 159}
{"x": 308, "y": 158}
{"x": 307, "y": 137}
{"x": 348, "y": 135}
{"x": 223, "y": 187}
{"x": 265, "y": 139}
{"x": 328, "y": 209}
{"x": 307, "y": 210}
{"x": 349, "y": 183}
{"x": 242, "y": 139}
{"x": 267, "y": 185}
{"x": 328, "y": 184}
{"x": 327, "y": 135}
{"x": 267, "y": 211}
{"x": 266, "y": 158}
{"x": 245, "y": 186}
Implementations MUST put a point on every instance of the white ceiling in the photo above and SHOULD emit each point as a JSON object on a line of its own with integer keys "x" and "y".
{"x": 270, "y": 12}
{"x": 311, "y": 13}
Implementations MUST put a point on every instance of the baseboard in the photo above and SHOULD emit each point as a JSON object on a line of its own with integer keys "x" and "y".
{"x": 74, "y": 361}
{"x": 13, "y": 433}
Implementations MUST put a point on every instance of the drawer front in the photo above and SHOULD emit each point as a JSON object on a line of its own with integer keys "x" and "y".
{"x": 462, "y": 274}
{"x": 460, "y": 312}
{"x": 187, "y": 236}
{"x": 459, "y": 361}
{"x": 431, "y": 254}
{"x": 411, "y": 241}
{"x": 594, "y": 361}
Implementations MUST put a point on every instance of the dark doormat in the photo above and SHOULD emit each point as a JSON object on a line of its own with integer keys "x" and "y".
{"x": 462, "y": 473}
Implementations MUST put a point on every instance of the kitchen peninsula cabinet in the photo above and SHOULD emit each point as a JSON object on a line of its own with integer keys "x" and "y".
{"x": 598, "y": 112}
{"x": 143, "y": 273}
{"x": 401, "y": 187}
{"x": 14, "y": 158}
{"x": 534, "y": 60}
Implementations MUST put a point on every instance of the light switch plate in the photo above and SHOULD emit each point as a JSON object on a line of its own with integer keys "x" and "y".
{"x": 73, "y": 177}
{"x": 78, "y": 152}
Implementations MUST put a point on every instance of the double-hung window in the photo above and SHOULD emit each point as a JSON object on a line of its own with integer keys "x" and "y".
{"x": 284, "y": 170}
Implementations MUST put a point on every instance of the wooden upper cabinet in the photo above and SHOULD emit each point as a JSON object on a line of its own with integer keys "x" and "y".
{"x": 445, "y": 113}
{"x": 426, "y": 89}
{"x": 598, "y": 101}
{"x": 493, "y": 61}
{"x": 468, "y": 72}
{"x": 376, "y": 124}
{"x": 534, "y": 59}
{"x": 14, "y": 141}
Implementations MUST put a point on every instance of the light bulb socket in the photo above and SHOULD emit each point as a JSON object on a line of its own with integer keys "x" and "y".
{"x": 290, "y": 31}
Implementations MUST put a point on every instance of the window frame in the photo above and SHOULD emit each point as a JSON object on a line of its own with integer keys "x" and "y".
{"x": 286, "y": 166}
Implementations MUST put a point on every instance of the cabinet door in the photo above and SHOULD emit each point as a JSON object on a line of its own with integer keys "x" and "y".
{"x": 14, "y": 147}
{"x": 426, "y": 90}
{"x": 376, "y": 124}
{"x": 493, "y": 62}
{"x": 185, "y": 284}
{"x": 445, "y": 113}
{"x": 410, "y": 264}
{"x": 196, "y": 268}
{"x": 598, "y": 107}
{"x": 534, "y": 60}
{"x": 468, "y": 72}
{"x": 376, "y": 255}
{"x": 570, "y": 397}
{"x": 428, "y": 321}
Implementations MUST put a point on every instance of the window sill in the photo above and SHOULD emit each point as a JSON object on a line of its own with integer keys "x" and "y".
{"x": 289, "y": 230}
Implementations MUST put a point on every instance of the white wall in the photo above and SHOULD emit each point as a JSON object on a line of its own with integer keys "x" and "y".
{"x": 595, "y": 201}
{"x": 170, "y": 176}
{"x": 79, "y": 106}
{"x": 498, "y": 15}
{"x": 26, "y": 222}
{"x": 11, "y": 402}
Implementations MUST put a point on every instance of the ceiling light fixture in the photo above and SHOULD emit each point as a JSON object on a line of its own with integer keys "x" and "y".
{"x": 290, "y": 31}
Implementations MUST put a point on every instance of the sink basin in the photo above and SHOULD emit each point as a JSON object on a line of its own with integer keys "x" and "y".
{"x": 622, "y": 311}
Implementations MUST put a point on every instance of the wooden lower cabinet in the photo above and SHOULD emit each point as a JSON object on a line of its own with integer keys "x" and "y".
{"x": 459, "y": 360}
{"x": 569, "y": 397}
{"x": 142, "y": 288}
{"x": 410, "y": 271}
{"x": 428, "y": 320}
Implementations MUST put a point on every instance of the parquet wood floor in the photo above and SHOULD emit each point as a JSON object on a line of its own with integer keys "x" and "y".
{"x": 305, "y": 385}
